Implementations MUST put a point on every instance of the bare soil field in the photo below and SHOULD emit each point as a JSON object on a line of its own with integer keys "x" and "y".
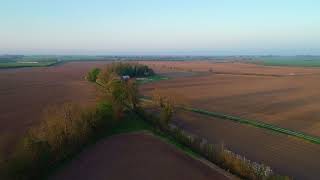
{"x": 136, "y": 156}
{"x": 288, "y": 97}
{"x": 286, "y": 155}
{"x": 284, "y": 96}
{"x": 26, "y": 92}
{"x": 229, "y": 68}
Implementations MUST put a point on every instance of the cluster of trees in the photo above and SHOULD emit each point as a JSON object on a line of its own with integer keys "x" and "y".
{"x": 130, "y": 69}
{"x": 167, "y": 102}
{"x": 93, "y": 75}
{"x": 166, "y": 105}
{"x": 122, "y": 94}
{"x": 63, "y": 132}
{"x": 121, "y": 69}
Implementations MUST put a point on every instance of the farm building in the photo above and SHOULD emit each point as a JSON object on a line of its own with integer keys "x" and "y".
{"x": 126, "y": 77}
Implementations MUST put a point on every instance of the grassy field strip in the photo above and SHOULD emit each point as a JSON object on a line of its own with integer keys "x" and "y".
{"x": 28, "y": 64}
{"x": 150, "y": 79}
{"x": 259, "y": 124}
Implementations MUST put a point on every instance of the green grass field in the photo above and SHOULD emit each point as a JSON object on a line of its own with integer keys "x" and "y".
{"x": 151, "y": 79}
{"x": 18, "y": 61}
{"x": 19, "y": 64}
{"x": 296, "y": 61}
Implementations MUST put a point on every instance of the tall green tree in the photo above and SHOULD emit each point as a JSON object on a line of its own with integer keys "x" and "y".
{"x": 122, "y": 93}
{"x": 93, "y": 75}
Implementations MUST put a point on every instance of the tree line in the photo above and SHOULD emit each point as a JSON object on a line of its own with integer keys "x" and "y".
{"x": 133, "y": 70}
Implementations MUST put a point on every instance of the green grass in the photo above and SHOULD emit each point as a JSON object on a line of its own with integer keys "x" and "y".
{"x": 136, "y": 124}
{"x": 171, "y": 140}
{"x": 295, "y": 61}
{"x": 150, "y": 79}
{"x": 132, "y": 124}
{"x": 43, "y": 60}
{"x": 20, "y": 64}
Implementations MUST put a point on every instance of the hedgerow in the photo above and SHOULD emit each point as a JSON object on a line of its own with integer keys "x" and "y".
{"x": 215, "y": 153}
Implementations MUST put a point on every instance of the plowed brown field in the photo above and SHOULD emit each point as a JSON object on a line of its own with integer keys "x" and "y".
{"x": 24, "y": 93}
{"x": 136, "y": 156}
{"x": 286, "y": 155}
{"x": 288, "y": 97}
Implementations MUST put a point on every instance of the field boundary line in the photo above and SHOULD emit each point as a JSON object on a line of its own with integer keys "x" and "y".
{"x": 199, "y": 158}
{"x": 254, "y": 123}
{"x": 259, "y": 124}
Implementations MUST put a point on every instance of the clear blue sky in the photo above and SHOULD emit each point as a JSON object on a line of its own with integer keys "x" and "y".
{"x": 217, "y": 27}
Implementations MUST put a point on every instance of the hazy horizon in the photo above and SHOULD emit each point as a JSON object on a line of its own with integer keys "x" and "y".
{"x": 142, "y": 27}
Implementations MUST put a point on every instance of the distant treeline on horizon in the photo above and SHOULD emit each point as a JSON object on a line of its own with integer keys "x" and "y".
{"x": 298, "y": 60}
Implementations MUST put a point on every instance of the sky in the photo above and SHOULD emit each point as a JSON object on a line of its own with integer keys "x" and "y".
{"x": 160, "y": 27}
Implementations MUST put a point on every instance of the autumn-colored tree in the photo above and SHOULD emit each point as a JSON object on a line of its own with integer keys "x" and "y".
{"x": 123, "y": 94}
{"x": 166, "y": 105}
{"x": 93, "y": 75}
{"x": 132, "y": 93}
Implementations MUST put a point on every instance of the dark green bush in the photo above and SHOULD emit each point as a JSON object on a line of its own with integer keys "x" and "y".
{"x": 130, "y": 69}
{"x": 93, "y": 75}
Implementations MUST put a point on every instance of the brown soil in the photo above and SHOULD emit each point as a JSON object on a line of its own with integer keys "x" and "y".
{"x": 288, "y": 97}
{"x": 136, "y": 156}
{"x": 291, "y": 101}
{"x": 229, "y": 68}
{"x": 24, "y": 93}
{"x": 286, "y": 155}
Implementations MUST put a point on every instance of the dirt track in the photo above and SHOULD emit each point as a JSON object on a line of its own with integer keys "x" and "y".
{"x": 24, "y": 93}
{"x": 136, "y": 156}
